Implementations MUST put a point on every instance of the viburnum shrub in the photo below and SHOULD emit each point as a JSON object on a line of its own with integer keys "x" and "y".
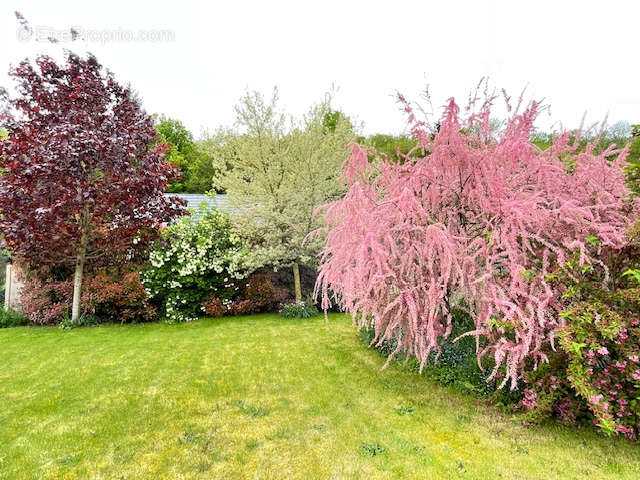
{"x": 476, "y": 218}
{"x": 198, "y": 257}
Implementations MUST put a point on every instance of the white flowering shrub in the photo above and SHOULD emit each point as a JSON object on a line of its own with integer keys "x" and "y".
{"x": 196, "y": 258}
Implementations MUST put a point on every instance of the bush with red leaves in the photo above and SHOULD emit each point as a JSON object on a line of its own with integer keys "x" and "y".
{"x": 213, "y": 306}
{"x": 259, "y": 295}
{"x": 110, "y": 294}
{"x": 117, "y": 297}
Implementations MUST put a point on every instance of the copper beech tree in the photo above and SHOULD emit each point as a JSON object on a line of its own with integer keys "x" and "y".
{"x": 477, "y": 218}
{"x": 82, "y": 175}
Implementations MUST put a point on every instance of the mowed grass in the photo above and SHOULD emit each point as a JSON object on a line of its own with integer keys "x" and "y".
{"x": 259, "y": 397}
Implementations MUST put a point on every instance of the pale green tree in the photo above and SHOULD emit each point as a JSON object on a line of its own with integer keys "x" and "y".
{"x": 277, "y": 170}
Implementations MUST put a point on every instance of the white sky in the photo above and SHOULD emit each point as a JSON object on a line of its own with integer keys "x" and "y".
{"x": 579, "y": 55}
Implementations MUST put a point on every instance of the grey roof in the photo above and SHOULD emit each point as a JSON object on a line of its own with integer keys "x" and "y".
{"x": 194, "y": 200}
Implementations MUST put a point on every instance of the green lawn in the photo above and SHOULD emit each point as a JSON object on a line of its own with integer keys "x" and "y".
{"x": 259, "y": 397}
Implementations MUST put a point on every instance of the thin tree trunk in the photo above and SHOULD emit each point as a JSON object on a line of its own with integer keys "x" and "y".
{"x": 77, "y": 278}
{"x": 296, "y": 282}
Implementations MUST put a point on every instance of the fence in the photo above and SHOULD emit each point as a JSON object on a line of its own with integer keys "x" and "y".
{"x": 12, "y": 287}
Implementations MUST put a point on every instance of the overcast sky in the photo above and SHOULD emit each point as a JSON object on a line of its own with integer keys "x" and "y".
{"x": 579, "y": 55}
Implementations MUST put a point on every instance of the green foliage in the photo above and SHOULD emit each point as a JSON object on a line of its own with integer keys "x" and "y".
{"x": 372, "y": 449}
{"x": 594, "y": 375}
{"x": 277, "y": 171}
{"x": 299, "y": 309}
{"x": 174, "y": 132}
{"x": 395, "y": 147}
{"x": 456, "y": 365}
{"x": 333, "y": 119}
{"x": 200, "y": 170}
{"x": 193, "y": 158}
{"x": 633, "y": 273}
{"x": 86, "y": 320}
{"x": 3, "y": 134}
{"x": 541, "y": 140}
{"x": 217, "y": 155}
{"x": 197, "y": 258}
{"x": 12, "y": 318}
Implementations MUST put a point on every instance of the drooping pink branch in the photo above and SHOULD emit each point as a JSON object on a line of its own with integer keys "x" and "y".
{"x": 479, "y": 223}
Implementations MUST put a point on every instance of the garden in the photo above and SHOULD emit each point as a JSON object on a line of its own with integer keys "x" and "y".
{"x": 459, "y": 302}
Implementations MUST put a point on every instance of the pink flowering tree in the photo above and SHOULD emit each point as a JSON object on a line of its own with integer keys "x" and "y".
{"x": 477, "y": 218}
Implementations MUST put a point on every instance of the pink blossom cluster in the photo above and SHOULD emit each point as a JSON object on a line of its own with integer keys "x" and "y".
{"x": 476, "y": 218}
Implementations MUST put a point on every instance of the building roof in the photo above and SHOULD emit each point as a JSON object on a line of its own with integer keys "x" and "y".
{"x": 194, "y": 200}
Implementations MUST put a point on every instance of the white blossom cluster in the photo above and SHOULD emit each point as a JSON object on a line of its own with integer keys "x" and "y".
{"x": 194, "y": 250}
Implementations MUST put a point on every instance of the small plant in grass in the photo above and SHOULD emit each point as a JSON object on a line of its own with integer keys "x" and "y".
{"x": 405, "y": 409}
{"x": 299, "y": 309}
{"x": 251, "y": 410}
{"x": 12, "y": 318}
{"x": 87, "y": 320}
{"x": 372, "y": 449}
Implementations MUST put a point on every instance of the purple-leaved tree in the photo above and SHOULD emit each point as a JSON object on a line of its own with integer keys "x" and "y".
{"x": 82, "y": 174}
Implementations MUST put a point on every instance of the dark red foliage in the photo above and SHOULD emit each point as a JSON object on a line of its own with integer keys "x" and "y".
{"x": 282, "y": 281}
{"x": 262, "y": 293}
{"x": 213, "y": 306}
{"x": 80, "y": 166}
{"x": 117, "y": 296}
{"x": 259, "y": 295}
{"x": 44, "y": 299}
{"x": 110, "y": 294}
{"x": 242, "y": 306}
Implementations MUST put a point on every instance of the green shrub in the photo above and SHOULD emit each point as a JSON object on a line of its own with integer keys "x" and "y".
{"x": 197, "y": 259}
{"x": 299, "y": 310}
{"x": 456, "y": 365}
{"x": 372, "y": 449}
{"x": 593, "y": 376}
{"x": 12, "y": 318}
{"x": 86, "y": 320}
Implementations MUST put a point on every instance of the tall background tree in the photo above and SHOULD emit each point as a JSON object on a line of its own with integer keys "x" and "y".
{"x": 192, "y": 157}
{"x": 276, "y": 172}
{"x": 82, "y": 173}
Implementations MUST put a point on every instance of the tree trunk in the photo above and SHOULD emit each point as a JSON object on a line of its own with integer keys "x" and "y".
{"x": 296, "y": 282}
{"x": 77, "y": 279}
